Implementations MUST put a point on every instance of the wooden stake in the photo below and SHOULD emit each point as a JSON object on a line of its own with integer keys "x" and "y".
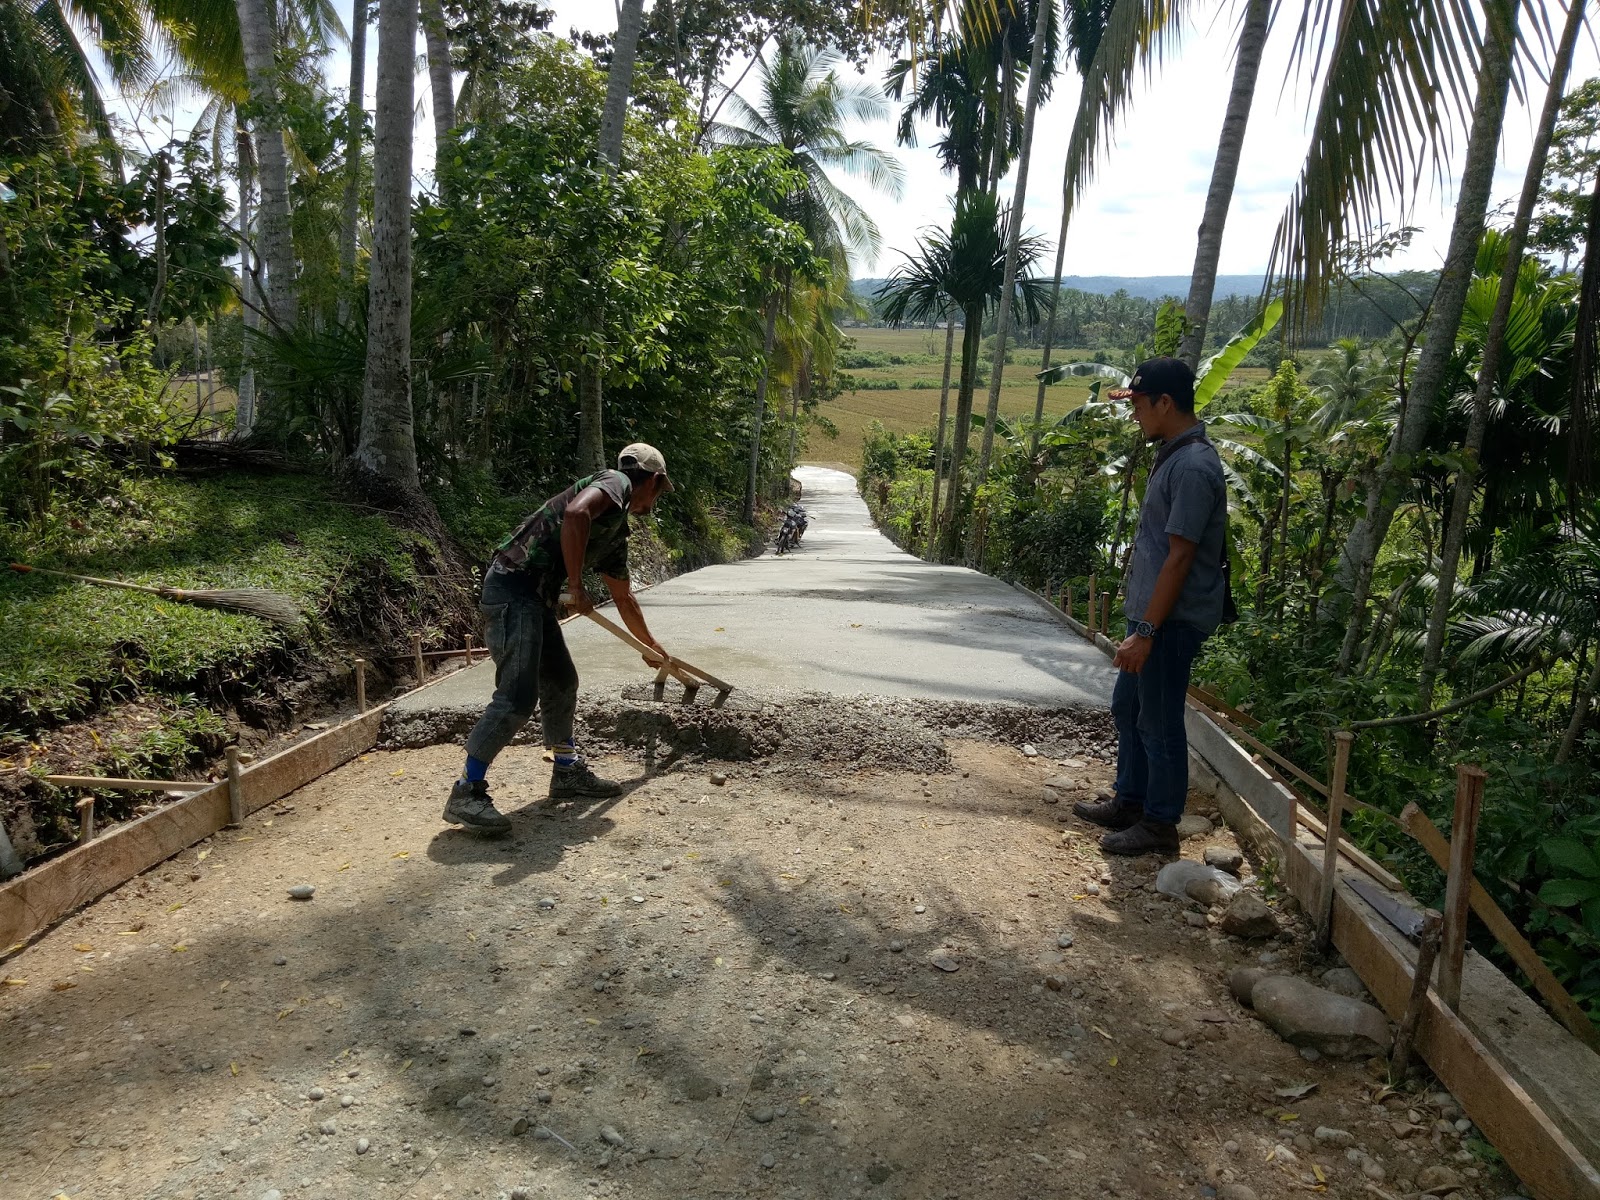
{"x": 361, "y": 684}
{"x": 1330, "y": 839}
{"x": 1458, "y": 882}
{"x": 1068, "y": 607}
{"x": 417, "y": 662}
{"x": 1566, "y": 1009}
{"x": 1093, "y": 602}
{"x": 236, "y": 788}
{"x": 1105, "y": 612}
{"x": 469, "y": 649}
{"x": 85, "y": 820}
{"x": 1049, "y": 590}
{"x": 1400, "y": 1058}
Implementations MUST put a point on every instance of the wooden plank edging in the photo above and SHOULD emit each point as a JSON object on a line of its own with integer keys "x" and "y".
{"x": 1515, "y": 1120}
{"x": 41, "y": 897}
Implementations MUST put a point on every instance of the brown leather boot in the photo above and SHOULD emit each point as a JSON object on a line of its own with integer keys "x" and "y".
{"x": 1115, "y": 813}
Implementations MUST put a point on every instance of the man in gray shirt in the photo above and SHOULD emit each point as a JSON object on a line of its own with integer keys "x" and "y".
{"x": 1176, "y": 594}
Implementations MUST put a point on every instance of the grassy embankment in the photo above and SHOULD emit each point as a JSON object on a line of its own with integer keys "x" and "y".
{"x": 907, "y": 409}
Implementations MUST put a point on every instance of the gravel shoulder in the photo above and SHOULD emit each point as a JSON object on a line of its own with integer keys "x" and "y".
{"x": 701, "y": 989}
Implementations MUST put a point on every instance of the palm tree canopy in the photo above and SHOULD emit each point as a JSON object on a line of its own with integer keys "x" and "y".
{"x": 966, "y": 268}
{"x": 804, "y": 108}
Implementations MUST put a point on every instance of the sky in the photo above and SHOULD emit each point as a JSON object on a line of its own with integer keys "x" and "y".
{"x": 1141, "y": 212}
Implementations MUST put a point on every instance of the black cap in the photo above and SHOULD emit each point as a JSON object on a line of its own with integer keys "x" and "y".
{"x": 1161, "y": 376}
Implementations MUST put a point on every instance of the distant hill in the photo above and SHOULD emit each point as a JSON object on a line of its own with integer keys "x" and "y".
{"x": 1145, "y": 287}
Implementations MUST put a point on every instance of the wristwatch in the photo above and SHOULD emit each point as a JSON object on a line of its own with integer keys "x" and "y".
{"x": 1144, "y": 629}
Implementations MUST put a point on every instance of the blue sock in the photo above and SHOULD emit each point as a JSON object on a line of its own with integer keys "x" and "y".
{"x": 567, "y": 754}
{"x": 475, "y": 770}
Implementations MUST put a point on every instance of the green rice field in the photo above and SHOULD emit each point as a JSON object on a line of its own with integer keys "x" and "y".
{"x": 914, "y": 405}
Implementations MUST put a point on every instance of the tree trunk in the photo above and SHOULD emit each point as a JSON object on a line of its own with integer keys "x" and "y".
{"x": 244, "y": 412}
{"x": 159, "y": 220}
{"x": 388, "y": 446}
{"x": 258, "y": 34}
{"x": 1019, "y": 200}
{"x": 441, "y": 75}
{"x": 1203, "y": 280}
{"x": 355, "y": 121}
{"x": 1444, "y": 320}
{"x": 971, "y": 340}
{"x": 1489, "y": 366}
{"x": 769, "y": 339}
{"x": 619, "y": 81}
{"x": 938, "y": 438}
{"x": 1580, "y": 711}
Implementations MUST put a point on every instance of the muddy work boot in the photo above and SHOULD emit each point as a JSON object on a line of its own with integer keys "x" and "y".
{"x": 471, "y": 807}
{"x": 1115, "y": 813}
{"x": 1145, "y": 837}
{"x": 578, "y": 782}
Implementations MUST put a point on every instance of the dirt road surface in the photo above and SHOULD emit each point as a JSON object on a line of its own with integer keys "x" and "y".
{"x": 795, "y": 970}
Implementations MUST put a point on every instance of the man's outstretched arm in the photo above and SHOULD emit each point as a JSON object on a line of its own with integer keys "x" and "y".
{"x": 633, "y": 616}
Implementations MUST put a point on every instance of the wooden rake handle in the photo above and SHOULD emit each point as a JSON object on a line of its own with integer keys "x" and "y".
{"x": 677, "y": 666}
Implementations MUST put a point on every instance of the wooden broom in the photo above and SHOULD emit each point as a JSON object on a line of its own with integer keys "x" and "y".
{"x": 270, "y": 606}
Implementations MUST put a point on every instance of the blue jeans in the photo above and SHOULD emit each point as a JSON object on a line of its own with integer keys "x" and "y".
{"x": 1152, "y": 747}
{"x": 531, "y": 666}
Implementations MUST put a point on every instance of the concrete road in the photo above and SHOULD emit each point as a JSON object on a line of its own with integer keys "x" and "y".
{"x": 849, "y": 614}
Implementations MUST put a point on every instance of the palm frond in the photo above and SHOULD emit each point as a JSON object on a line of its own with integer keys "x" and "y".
{"x": 1136, "y": 38}
{"x": 1393, "y": 77}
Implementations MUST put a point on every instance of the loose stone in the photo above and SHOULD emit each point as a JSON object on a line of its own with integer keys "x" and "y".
{"x": 610, "y": 1136}
{"x": 896, "y": 946}
{"x": 302, "y": 891}
{"x": 919, "y": 909}
{"x": 328, "y": 1127}
{"x": 768, "y": 1161}
{"x": 1064, "y": 940}
{"x": 362, "y": 1145}
{"x": 316, "y": 1093}
{"x": 762, "y": 1116}
{"x": 346, "y": 1101}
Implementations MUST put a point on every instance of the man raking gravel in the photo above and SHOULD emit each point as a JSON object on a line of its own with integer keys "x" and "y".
{"x": 585, "y": 526}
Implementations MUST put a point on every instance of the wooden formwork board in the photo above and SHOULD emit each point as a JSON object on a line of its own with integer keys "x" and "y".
{"x": 42, "y": 896}
{"x": 1534, "y": 1093}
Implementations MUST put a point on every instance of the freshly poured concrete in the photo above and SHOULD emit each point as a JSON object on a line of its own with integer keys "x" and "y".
{"x": 848, "y": 613}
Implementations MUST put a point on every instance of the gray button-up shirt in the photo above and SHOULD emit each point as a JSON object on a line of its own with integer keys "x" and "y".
{"x": 1186, "y": 495}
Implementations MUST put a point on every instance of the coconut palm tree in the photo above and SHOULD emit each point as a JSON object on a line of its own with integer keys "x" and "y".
{"x": 355, "y": 126}
{"x": 387, "y": 448}
{"x": 1041, "y": 68}
{"x": 259, "y": 34}
{"x": 1224, "y": 170}
{"x": 1443, "y": 320}
{"x": 50, "y": 86}
{"x": 441, "y": 74}
{"x": 804, "y": 107}
{"x": 1494, "y": 347}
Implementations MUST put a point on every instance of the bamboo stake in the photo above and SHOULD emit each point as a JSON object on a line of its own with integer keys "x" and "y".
{"x": 1458, "y": 882}
{"x": 1330, "y": 839}
{"x": 361, "y": 684}
{"x": 1400, "y": 1058}
{"x": 85, "y": 820}
{"x": 417, "y": 662}
{"x": 235, "y": 789}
